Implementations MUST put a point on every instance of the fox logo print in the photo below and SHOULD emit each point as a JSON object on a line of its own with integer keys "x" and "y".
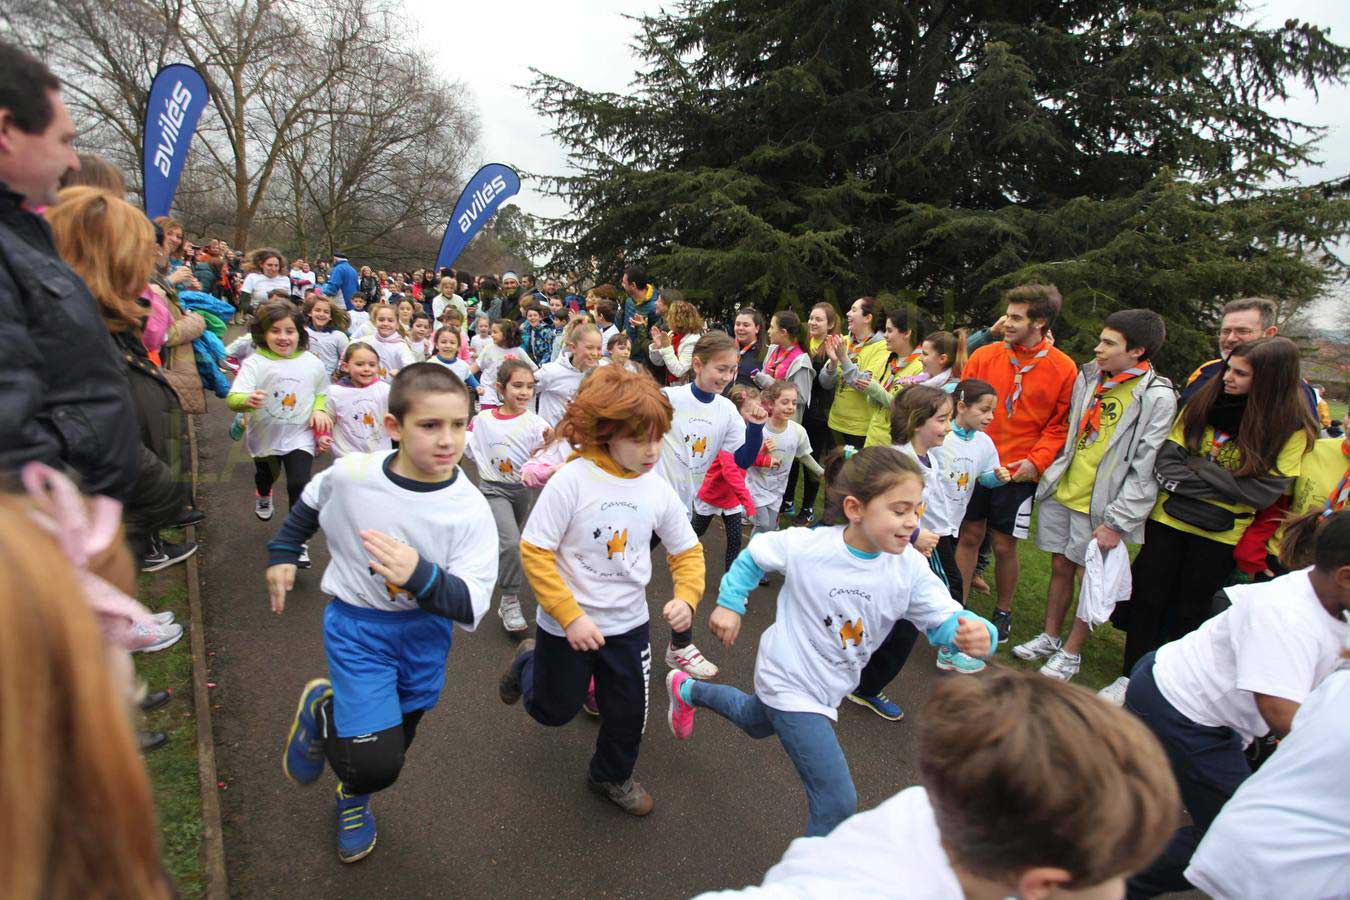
{"x": 851, "y": 631}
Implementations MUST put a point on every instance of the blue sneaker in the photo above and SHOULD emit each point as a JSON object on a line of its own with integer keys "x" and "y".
{"x": 958, "y": 662}
{"x": 356, "y": 825}
{"x": 880, "y": 704}
{"x": 303, "y": 760}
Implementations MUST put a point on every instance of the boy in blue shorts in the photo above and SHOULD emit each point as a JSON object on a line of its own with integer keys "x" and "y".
{"x": 413, "y": 549}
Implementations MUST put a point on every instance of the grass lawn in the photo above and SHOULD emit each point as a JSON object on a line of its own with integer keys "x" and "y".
{"x": 1338, "y": 409}
{"x": 173, "y": 769}
{"x": 1105, "y": 648}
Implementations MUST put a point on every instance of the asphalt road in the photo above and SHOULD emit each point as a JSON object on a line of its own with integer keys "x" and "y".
{"x": 490, "y": 803}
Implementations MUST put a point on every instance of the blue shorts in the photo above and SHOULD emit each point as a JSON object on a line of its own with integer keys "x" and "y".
{"x": 382, "y": 664}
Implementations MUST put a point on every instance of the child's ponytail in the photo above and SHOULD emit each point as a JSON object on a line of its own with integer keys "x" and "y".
{"x": 863, "y": 475}
{"x": 1300, "y": 540}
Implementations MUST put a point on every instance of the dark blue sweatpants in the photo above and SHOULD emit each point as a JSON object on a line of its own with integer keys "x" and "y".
{"x": 1209, "y": 765}
{"x": 553, "y": 680}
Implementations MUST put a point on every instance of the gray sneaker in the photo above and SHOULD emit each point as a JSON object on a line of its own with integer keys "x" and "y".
{"x": 1115, "y": 691}
{"x": 1062, "y": 666}
{"x": 512, "y": 618}
{"x": 630, "y": 796}
{"x": 262, "y": 507}
{"x": 1039, "y": 647}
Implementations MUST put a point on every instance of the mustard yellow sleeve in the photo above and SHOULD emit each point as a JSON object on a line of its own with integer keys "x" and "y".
{"x": 687, "y": 572}
{"x": 541, "y": 570}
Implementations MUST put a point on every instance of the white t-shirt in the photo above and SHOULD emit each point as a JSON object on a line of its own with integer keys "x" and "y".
{"x": 834, "y": 610}
{"x": 477, "y": 343}
{"x": 1286, "y": 832}
{"x": 357, "y": 321}
{"x": 937, "y": 501}
{"x": 964, "y": 461}
{"x": 281, "y": 424}
{"x": 500, "y": 446}
{"x": 395, "y": 355}
{"x": 447, "y": 523}
{"x": 605, "y": 335}
{"x": 358, "y": 418}
{"x": 440, "y": 302}
{"x": 422, "y": 350}
{"x": 698, "y": 432}
{"x": 328, "y": 346}
{"x": 456, "y": 365}
{"x": 490, "y": 359}
{"x": 600, "y": 527}
{"x": 1276, "y": 639}
{"x": 258, "y": 285}
{"x": 768, "y": 484}
{"x": 557, "y": 383}
{"x": 301, "y": 281}
{"x": 894, "y": 852}
{"x": 241, "y": 347}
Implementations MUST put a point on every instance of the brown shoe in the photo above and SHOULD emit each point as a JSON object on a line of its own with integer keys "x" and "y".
{"x": 630, "y": 796}
{"x": 508, "y": 688}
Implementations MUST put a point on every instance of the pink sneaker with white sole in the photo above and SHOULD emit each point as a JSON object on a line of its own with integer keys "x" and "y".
{"x": 681, "y": 714}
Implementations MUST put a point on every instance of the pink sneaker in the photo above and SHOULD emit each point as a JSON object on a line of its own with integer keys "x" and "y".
{"x": 681, "y": 714}
{"x": 592, "y": 708}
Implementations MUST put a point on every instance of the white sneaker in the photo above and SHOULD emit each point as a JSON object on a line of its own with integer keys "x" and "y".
{"x": 262, "y": 507}
{"x": 691, "y": 662}
{"x": 163, "y": 618}
{"x": 165, "y": 636}
{"x": 1062, "y": 666}
{"x": 303, "y": 560}
{"x": 1115, "y": 691}
{"x": 512, "y": 618}
{"x": 1039, "y": 647}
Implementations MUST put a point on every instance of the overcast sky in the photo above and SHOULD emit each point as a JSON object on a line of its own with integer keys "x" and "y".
{"x": 588, "y": 42}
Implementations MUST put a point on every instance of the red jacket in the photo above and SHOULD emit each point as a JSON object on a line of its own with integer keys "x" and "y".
{"x": 724, "y": 485}
{"x": 1040, "y": 422}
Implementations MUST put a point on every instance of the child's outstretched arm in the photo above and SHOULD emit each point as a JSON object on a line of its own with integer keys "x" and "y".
{"x": 808, "y": 461}
{"x": 283, "y": 551}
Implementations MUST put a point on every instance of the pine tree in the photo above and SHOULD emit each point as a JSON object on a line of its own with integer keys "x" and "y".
{"x": 782, "y": 152}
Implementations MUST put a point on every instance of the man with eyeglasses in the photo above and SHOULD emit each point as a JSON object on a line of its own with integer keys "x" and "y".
{"x": 1243, "y": 321}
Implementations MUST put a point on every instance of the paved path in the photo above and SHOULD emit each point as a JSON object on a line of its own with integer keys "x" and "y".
{"x": 491, "y": 803}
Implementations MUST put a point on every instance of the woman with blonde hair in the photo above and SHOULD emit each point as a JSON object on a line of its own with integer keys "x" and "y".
{"x": 78, "y": 818}
{"x": 111, "y": 244}
{"x": 673, "y": 350}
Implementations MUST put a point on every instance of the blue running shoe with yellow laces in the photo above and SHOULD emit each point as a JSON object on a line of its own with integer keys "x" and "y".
{"x": 355, "y": 825}
{"x": 303, "y": 759}
{"x": 880, "y": 704}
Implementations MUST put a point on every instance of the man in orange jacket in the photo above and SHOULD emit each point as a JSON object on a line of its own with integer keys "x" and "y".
{"x": 1034, "y": 382}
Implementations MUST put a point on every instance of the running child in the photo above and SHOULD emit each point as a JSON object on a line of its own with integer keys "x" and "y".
{"x": 845, "y": 586}
{"x": 393, "y": 350}
{"x": 419, "y": 337}
{"x": 969, "y": 458}
{"x": 327, "y": 330}
{"x": 559, "y": 380}
{"x": 988, "y": 818}
{"x": 412, "y": 552}
{"x": 587, "y": 553}
{"x": 501, "y": 441}
{"x": 482, "y": 334}
{"x": 944, "y": 355}
{"x": 724, "y": 493}
{"x": 453, "y": 317}
{"x": 704, "y": 424}
{"x": 406, "y": 307}
{"x": 505, "y": 345}
{"x": 619, "y": 352}
{"x": 358, "y": 403}
{"x": 286, "y": 391}
{"x": 785, "y": 443}
{"x": 357, "y": 316}
{"x": 448, "y": 340}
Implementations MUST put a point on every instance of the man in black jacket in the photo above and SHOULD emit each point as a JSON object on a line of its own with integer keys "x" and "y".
{"x": 64, "y": 396}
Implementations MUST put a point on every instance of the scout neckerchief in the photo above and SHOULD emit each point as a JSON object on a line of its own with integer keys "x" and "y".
{"x": 1336, "y": 502}
{"x": 895, "y": 365}
{"x": 1091, "y": 425}
{"x": 854, "y": 349}
{"x": 1021, "y": 370}
{"x": 780, "y": 361}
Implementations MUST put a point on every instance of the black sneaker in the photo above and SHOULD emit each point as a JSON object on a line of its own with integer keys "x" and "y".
{"x": 1002, "y": 624}
{"x": 162, "y": 554}
{"x": 155, "y": 700}
{"x": 151, "y": 741}
{"x": 508, "y": 688}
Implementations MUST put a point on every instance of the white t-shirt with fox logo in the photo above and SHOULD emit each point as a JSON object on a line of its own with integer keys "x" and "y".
{"x": 698, "y": 432}
{"x": 358, "y": 418}
{"x": 281, "y": 424}
{"x": 834, "y": 610}
{"x": 768, "y": 484}
{"x": 499, "y": 446}
{"x": 963, "y": 462}
{"x": 600, "y": 528}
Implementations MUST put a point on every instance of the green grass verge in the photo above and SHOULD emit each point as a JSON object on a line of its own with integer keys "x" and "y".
{"x": 173, "y": 769}
{"x": 1338, "y": 409}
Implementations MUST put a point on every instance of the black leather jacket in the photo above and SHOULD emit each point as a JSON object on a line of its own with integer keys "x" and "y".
{"x": 64, "y": 396}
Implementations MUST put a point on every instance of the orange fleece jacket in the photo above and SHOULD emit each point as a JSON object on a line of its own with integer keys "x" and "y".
{"x": 1040, "y": 422}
